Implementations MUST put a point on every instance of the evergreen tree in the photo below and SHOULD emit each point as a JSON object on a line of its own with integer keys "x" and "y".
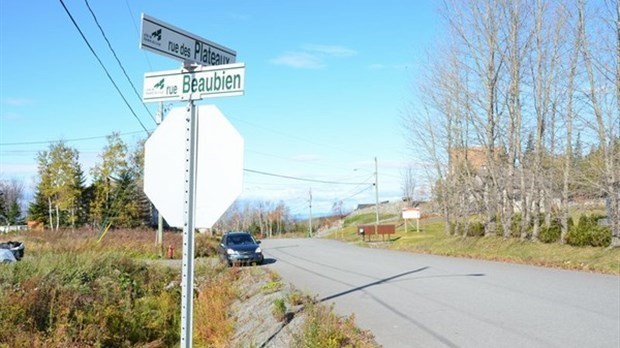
{"x": 38, "y": 209}
{"x": 14, "y": 214}
{"x": 11, "y": 192}
{"x": 124, "y": 210}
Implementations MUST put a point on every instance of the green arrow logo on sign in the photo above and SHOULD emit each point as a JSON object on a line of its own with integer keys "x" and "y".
{"x": 159, "y": 84}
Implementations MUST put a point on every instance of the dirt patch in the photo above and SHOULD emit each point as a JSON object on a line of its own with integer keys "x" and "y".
{"x": 260, "y": 322}
{"x": 257, "y": 323}
{"x": 269, "y": 312}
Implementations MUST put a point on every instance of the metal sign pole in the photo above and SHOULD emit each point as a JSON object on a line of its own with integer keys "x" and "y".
{"x": 187, "y": 286}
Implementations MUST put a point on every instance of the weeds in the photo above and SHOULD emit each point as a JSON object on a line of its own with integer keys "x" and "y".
{"x": 86, "y": 299}
{"x": 214, "y": 326}
{"x": 279, "y": 309}
{"x": 272, "y": 287}
{"x": 296, "y": 298}
{"x": 70, "y": 290}
{"x": 324, "y": 329}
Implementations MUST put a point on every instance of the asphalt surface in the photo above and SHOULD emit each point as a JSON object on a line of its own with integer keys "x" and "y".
{"x": 413, "y": 300}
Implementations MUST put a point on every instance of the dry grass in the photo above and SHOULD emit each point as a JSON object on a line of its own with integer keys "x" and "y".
{"x": 71, "y": 291}
{"x": 431, "y": 239}
{"x": 213, "y": 325}
{"x": 133, "y": 243}
{"x": 324, "y": 329}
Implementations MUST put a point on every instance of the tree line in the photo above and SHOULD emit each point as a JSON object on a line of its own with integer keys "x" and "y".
{"x": 115, "y": 196}
{"x": 519, "y": 116}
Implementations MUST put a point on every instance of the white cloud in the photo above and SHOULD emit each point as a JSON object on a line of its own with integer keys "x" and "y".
{"x": 299, "y": 60}
{"x": 330, "y": 50}
{"x": 11, "y": 116}
{"x": 312, "y": 56}
{"x": 13, "y": 101}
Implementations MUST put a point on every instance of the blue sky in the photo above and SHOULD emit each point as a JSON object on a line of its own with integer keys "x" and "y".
{"x": 326, "y": 85}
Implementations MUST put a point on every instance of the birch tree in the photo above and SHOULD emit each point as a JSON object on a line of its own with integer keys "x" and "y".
{"x": 59, "y": 183}
{"x": 113, "y": 163}
{"x": 600, "y": 61}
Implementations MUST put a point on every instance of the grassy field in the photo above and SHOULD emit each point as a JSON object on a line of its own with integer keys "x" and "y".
{"x": 431, "y": 239}
{"x": 71, "y": 290}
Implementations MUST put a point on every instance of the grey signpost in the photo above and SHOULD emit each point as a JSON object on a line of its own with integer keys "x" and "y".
{"x": 193, "y": 82}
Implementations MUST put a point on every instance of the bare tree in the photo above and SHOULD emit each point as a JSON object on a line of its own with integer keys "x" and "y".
{"x": 408, "y": 185}
{"x": 511, "y": 69}
{"x": 568, "y": 155}
{"x": 606, "y": 119}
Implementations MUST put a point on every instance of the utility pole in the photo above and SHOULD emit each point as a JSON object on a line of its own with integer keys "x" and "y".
{"x": 310, "y": 217}
{"x": 376, "y": 194}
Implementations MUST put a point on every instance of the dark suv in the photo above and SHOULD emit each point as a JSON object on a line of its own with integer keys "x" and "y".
{"x": 240, "y": 247}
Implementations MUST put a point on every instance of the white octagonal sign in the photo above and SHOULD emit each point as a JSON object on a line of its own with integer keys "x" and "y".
{"x": 219, "y": 166}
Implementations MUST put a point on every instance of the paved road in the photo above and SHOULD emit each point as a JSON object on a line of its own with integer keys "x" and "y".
{"x": 412, "y": 300}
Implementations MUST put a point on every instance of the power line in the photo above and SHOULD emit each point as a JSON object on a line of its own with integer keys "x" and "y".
{"x": 101, "y": 64}
{"x": 118, "y": 60}
{"x": 357, "y": 193}
{"x": 293, "y": 137}
{"x": 65, "y": 140}
{"x": 302, "y": 179}
{"x": 135, "y": 26}
{"x": 314, "y": 163}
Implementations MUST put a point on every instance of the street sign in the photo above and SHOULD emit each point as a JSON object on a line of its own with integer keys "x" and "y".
{"x": 411, "y": 213}
{"x": 219, "y": 161}
{"x": 191, "y": 179}
{"x": 202, "y": 82}
{"x": 166, "y": 39}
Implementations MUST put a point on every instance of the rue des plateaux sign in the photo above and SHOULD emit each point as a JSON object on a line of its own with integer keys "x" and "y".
{"x": 166, "y": 39}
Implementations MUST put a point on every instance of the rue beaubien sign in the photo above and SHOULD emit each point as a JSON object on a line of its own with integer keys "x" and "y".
{"x": 202, "y": 82}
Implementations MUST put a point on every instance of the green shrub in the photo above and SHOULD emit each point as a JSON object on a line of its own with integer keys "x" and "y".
{"x": 87, "y": 299}
{"x": 476, "y": 229}
{"x": 588, "y": 233}
{"x": 515, "y": 226}
{"x": 325, "y": 329}
{"x": 552, "y": 233}
{"x": 279, "y": 309}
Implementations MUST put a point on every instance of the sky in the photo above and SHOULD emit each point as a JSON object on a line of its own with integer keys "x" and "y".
{"x": 326, "y": 86}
